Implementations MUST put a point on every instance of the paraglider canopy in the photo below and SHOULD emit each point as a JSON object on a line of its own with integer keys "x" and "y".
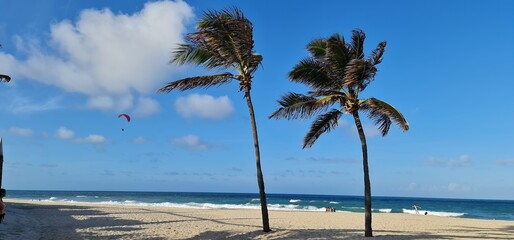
{"x": 125, "y": 115}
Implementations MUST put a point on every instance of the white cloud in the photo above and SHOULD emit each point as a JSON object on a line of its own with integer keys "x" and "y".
{"x": 145, "y": 107}
{"x": 204, "y": 106}
{"x": 93, "y": 139}
{"x": 331, "y": 160}
{"x": 100, "y": 102}
{"x": 22, "y": 105}
{"x": 139, "y": 140}
{"x": 412, "y": 186}
{"x": 342, "y": 123}
{"x": 64, "y": 133}
{"x": 462, "y": 161}
{"x": 505, "y": 162}
{"x": 67, "y": 134}
{"x": 457, "y": 187}
{"x": 370, "y": 130}
{"x": 190, "y": 142}
{"x": 24, "y": 132}
{"x": 104, "y": 102}
{"x": 110, "y": 57}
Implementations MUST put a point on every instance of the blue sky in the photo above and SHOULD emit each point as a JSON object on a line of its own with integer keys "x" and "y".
{"x": 76, "y": 65}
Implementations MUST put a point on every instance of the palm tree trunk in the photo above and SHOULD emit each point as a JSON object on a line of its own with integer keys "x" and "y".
{"x": 368, "y": 232}
{"x": 260, "y": 177}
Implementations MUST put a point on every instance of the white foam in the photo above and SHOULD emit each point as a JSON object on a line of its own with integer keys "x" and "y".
{"x": 312, "y": 208}
{"x": 276, "y": 207}
{"x": 385, "y": 210}
{"x": 294, "y": 200}
{"x": 333, "y": 202}
{"x": 292, "y": 207}
{"x": 434, "y": 213}
{"x": 81, "y": 196}
{"x": 356, "y": 207}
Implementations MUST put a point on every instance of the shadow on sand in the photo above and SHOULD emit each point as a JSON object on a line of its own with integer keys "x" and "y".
{"x": 48, "y": 222}
{"x": 45, "y": 222}
{"x": 462, "y": 232}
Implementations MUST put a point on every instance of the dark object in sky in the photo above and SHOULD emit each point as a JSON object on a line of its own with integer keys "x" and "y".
{"x": 125, "y": 115}
{"x": 4, "y": 78}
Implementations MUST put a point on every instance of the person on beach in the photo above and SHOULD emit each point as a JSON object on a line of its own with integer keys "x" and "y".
{"x": 2, "y": 205}
{"x": 416, "y": 207}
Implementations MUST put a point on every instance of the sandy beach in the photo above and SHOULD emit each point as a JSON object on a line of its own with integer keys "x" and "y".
{"x": 59, "y": 220}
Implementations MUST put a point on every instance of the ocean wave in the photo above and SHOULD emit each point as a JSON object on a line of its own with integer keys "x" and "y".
{"x": 293, "y": 207}
{"x": 85, "y": 196}
{"x": 385, "y": 210}
{"x": 54, "y": 199}
{"x": 294, "y": 200}
{"x": 334, "y": 202}
{"x": 194, "y": 205}
{"x": 255, "y": 200}
{"x": 434, "y": 213}
{"x": 361, "y": 208}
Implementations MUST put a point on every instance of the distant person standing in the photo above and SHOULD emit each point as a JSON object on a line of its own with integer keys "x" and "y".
{"x": 2, "y": 205}
{"x": 416, "y": 207}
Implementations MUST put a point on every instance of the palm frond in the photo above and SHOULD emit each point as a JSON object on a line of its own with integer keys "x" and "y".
{"x": 254, "y": 62}
{"x": 359, "y": 73}
{"x": 197, "y": 82}
{"x": 383, "y": 115}
{"x": 4, "y": 78}
{"x": 376, "y": 55}
{"x": 217, "y": 44}
{"x": 317, "y": 48}
{"x": 336, "y": 46}
{"x": 211, "y": 19}
{"x": 357, "y": 45}
{"x": 312, "y": 72}
{"x": 337, "y": 57}
{"x": 337, "y": 38}
{"x": 227, "y": 36}
{"x": 324, "y": 123}
{"x": 189, "y": 53}
{"x": 332, "y": 93}
{"x": 294, "y": 105}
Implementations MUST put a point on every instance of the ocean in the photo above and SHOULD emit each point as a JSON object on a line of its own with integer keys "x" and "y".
{"x": 462, "y": 208}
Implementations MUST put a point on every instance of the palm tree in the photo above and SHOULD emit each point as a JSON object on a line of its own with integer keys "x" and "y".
{"x": 224, "y": 40}
{"x": 336, "y": 72}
